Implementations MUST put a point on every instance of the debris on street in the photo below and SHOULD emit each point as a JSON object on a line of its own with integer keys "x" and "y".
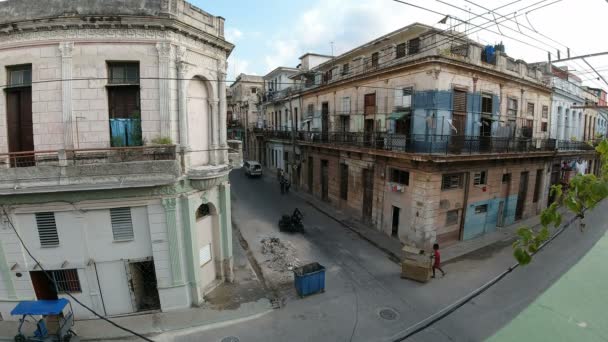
{"x": 281, "y": 255}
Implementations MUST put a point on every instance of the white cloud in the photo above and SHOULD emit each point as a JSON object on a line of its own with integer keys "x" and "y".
{"x": 233, "y": 34}
{"x": 238, "y": 66}
{"x": 344, "y": 22}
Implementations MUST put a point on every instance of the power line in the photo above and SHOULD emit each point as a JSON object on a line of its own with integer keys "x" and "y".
{"x": 10, "y": 222}
{"x": 470, "y": 23}
{"x": 529, "y": 28}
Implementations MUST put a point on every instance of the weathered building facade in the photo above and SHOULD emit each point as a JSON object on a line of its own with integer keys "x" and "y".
{"x": 114, "y": 154}
{"x": 427, "y": 136}
{"x": 245, "y": 95}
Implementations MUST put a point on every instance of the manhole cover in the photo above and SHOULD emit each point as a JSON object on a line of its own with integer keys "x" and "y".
{"x": 230, "y": 339}
{"x": 388, "y": 314}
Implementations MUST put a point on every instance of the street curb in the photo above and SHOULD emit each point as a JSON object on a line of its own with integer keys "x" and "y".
{"x": 212, "y": 326}
{"x": 202, "y": 327}
{"x": 391, "y": 256}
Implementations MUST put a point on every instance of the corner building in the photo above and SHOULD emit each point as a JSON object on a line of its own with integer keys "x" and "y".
{"x": 427, "y": 136}
{"x": 114, "y": 154}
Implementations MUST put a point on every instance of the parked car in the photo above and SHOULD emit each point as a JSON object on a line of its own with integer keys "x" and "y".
{"x": 252, "y": 168}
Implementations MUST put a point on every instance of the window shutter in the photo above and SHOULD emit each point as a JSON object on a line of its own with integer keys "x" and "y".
{"x": 47, "y": 229}
{"x": 122, "y": 225}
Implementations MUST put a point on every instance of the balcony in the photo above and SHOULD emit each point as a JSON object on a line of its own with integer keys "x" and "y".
{"x": 88, "y": 169}
{"x": 437, "y": 145}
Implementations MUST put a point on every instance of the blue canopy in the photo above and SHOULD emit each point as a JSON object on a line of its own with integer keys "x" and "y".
{"x": 40, "y": 307}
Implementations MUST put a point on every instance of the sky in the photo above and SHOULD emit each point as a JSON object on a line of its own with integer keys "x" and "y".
{"x": 272, "y": 33}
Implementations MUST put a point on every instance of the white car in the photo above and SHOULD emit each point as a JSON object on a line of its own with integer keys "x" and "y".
{"x": 252, "y": 168}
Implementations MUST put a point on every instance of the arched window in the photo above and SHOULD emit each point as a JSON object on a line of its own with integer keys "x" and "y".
{"x": 202, "y": 211}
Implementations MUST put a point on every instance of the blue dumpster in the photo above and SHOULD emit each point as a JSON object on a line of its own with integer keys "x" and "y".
{"x": 309, "y": 279}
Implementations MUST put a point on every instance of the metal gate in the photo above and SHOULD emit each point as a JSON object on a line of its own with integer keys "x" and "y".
{"x": 521, "y": 197}
{"x": 141, "y": 277}
{"x": 324, "y": 180}
{"x": 368, "y": 194}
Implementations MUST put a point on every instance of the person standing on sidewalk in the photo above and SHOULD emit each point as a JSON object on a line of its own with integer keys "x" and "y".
{"x": 437, "y": 260}
{"x": 282, "y": 183}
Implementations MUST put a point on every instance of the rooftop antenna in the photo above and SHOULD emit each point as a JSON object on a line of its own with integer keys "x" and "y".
{"x": 332, "y": 48}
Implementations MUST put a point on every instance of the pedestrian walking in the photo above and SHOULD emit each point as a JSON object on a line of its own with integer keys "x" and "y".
{"x": 287, "y": 185}
{"x": 437, "y": 260}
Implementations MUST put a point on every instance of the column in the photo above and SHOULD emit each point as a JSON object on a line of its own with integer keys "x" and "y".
{"x": 173, "y": 238}
{"x": 222, "y": 118}
{"x": 213, "y": 137}
{"x": 190, "y": 243}
{"x": 164, "y": 58}
{"x": 182, "y": 84}
{"x": 562, "y": 123}
{"x": 226, "y": 232}
{"x": 6, "y": 275}
{"x": 66, "y": 49}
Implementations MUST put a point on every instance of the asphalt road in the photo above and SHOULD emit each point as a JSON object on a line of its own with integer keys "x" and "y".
{"x": 361, "y": 281}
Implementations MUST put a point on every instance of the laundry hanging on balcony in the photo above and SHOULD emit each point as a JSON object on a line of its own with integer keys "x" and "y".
{"x": 125, "y": 132}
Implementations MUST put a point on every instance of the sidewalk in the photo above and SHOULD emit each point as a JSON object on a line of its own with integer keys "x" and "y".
{"x": 392, "y": 247}
{"x": 229, "y": 303}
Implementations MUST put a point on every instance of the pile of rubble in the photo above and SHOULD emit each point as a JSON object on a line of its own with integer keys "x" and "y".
{"x": 281, "y": 255}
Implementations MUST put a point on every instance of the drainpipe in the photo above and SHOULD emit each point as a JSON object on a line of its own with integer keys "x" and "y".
{"x": 465, "y": 202}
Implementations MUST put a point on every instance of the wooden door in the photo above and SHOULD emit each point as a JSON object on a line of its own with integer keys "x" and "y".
{"x": 521, "y": 197}
{"x": 20, "y": 127}
{"x": 368, "y": 194}
{"x": 370, "y": 104}
{"x": 460, "y": 111}
{"x": 43, "y": 287}
{"x": 459, "y": 120}
{"x": 324, "y": 121}
{"x": 19, "y": 120}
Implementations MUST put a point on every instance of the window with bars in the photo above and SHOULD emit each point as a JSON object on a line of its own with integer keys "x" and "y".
{"x": 122, "y": 224}
{"x": 530, "y": 111}
{"x": 545, "y": 112}
{"x": 311, "y": 109}
{"x": 480, "y": 178}
{"x": 346, "y": 105}
{"x": 401, "y": 50}
{"x": 481, "y": 209}
{"x": 123, "y": 73}
{"x": 375, "y": 59}
{"x": 66, "y": 280}
{"x": 512, "y": 107}
{"x": 345, "y": 68}
{"x": 344, "y": 181}
{"x": 47, "y": 229}
{"x": 413, "y": 46}
{"x": 486, "y": 103}
{"x": 19, "y": 76}
{"x": 400, "y": 177}
{"x": 451, "y": 217}
{"x": 451, "y": 181}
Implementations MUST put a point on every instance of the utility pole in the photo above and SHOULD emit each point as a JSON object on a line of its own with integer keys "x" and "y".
{"x": 292, "y": 159}
{"x": 246, "y": 144}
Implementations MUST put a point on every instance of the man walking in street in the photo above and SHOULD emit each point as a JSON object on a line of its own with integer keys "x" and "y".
{"x": 437, "y": 260}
